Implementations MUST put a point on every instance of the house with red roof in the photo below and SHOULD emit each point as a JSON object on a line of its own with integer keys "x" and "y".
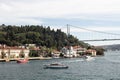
{"x": 13, "y": 52}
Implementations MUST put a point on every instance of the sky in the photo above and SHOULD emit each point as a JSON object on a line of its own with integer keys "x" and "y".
{"x": 100, "y": 15}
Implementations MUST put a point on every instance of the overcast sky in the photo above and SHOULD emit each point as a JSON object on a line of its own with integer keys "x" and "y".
{"x": 101, "y": 15}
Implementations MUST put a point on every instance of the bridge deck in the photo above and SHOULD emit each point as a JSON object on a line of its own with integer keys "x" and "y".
{"x": 100, "y": 40}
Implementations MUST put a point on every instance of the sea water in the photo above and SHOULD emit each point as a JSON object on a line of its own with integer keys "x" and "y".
{"x": 101, "y": 68}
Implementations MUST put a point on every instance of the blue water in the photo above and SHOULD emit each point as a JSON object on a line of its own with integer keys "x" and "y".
{"x": 101, "y": 68}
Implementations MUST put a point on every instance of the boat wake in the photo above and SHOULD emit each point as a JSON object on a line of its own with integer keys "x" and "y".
{"x": 90, "y": 59}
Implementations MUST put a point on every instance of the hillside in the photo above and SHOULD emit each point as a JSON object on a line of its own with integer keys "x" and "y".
{"x": 112, "y": 47}
{"x": 35, "y": 34}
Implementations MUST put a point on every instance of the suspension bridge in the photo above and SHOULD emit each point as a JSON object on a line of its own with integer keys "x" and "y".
{"x": 101, "y": 40}
{"x": 92, "y": 35}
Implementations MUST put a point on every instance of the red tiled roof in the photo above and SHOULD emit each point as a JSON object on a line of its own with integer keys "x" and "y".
{"x": 7, "y": 47}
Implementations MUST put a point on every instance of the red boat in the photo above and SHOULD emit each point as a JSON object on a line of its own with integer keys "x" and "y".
{"x": 22, "y": 61}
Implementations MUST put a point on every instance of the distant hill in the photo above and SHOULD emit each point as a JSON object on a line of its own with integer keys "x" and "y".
{"x": 112, "y": 47}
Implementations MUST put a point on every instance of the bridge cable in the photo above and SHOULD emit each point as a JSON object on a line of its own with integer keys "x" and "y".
{"x": 94, "y": 30}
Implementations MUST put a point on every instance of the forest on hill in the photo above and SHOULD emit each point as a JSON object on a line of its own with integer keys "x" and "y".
{"x": 35, "y": 34}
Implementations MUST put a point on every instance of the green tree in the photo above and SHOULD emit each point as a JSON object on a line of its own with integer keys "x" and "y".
{"x": 35, "y": 34}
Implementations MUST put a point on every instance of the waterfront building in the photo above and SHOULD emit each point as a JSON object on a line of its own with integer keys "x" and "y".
{"x": 55, "y": 54}
{"x": 77, "y": 51}
{"x": 91, "y": 52}
{"x": 13, "y": 52}
{"x": 68, "y": 52}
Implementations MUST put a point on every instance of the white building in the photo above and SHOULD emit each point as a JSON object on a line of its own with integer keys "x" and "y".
{"x": 14, "y": 52}
{"x": 69, "y": 52}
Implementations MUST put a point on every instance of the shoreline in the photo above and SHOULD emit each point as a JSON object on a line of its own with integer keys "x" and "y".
{"x": 37, "y": 58}
{"x": 30, "y": 58}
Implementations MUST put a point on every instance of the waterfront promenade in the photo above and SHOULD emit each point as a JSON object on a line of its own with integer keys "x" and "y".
{"x": 30, "y": 58}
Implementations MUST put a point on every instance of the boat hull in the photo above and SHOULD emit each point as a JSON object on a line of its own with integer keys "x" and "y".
{"x": 22, "y": 61}
{"x": 55, "y": 66}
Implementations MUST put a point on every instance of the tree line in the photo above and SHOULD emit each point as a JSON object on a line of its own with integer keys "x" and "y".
{"x": 40, "y": 35}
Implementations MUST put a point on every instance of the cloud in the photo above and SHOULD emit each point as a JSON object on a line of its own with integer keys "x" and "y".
{"x": 19, "y": 21}
{"x": 25, "y": 11}
{"x": 59, "y": 8}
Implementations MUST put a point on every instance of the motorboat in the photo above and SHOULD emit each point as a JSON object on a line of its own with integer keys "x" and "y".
{"x": 55, "y": 66}
{"x": 22, "y": 60}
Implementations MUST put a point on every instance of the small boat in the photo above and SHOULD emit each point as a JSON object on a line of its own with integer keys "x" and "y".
{"x": 22, "y": 60}
{"x": 55, "y": 66}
